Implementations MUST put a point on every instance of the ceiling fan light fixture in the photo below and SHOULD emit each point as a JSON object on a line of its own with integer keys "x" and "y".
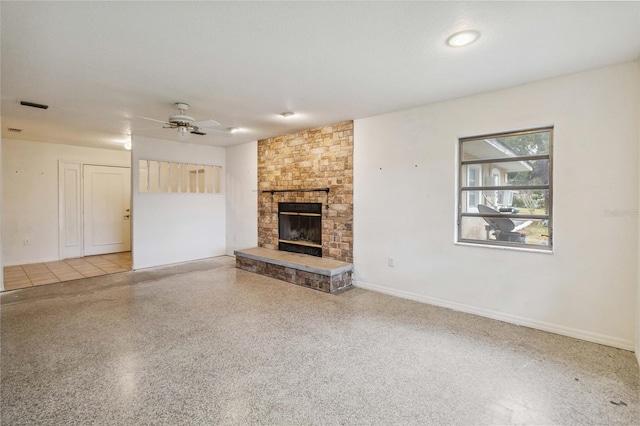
{"x": 181, "y": 118}
{"x": 184, "y": 124}
{"x": 463, "y": 38}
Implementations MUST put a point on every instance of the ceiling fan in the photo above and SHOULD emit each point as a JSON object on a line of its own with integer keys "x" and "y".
{"x": 186, "y": 124}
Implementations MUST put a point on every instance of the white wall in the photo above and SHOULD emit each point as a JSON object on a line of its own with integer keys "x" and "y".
{"x": 242, "y": 196}
{"x": 173, "y": 228}
{"x": 30, "y": 195}
{"x": 638, "y": 263}
{"x": 1, "y": 185}
{"x": 404, "y": 204}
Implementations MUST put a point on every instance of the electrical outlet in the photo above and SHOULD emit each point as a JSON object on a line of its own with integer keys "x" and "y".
{"x": 390, "y": 261}
{"x": 27, "y": 241}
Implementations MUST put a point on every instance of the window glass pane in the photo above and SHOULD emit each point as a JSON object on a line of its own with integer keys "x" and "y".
{"x": 530, "y": 201}
{"x": 216, "y": 179}
{"x": 184, "y": 178}
{"x": 164, "y": 176}
{"x": 528, "y": 144}
{"x": 200, "y": 186}
{"x": 143, "y": 172}
{"x": 193, "y": 178}
{"x": 505, "y": 230}
{"x": 524, "y": 202}
{"x": 473, "y": 175}
{"x": 208, "y": 179}
{"x": 534, "y": 172}
{"x": 470, "y": 201}
{"x": 496, "y": 176}
{"x": 154, "y": 176}
{"x": 508, "y": 146}
{"x": 174, "y": 173}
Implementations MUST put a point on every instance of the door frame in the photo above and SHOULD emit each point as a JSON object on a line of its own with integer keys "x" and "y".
{"x": 80, "y": 188}
{"x": 63, "y": 166}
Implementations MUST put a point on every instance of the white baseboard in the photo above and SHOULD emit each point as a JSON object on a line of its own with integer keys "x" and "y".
{"x": 135, "y": 267}
{"x": 512, "y": 319}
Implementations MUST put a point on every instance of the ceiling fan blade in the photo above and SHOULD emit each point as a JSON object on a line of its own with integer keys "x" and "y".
{"x": 201, "y": 132}
{"x": 205, "y": 123}
{"x": 221, "y": 132}
{"x": 153, "y": 119}
{"x": 145, "y": 128}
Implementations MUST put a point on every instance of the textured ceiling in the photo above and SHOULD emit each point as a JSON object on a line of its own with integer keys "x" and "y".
{"x": 102, "y": 65}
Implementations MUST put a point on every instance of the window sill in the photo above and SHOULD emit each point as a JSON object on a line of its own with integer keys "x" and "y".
{"x": 497, "y": 247}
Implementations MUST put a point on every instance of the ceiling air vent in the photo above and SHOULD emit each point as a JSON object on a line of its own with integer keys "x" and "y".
{"x": 14, "y": 130}
{"x": 34, "y": 105}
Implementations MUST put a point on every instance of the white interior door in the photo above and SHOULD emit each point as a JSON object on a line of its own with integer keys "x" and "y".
{"x": 107, "y": 209}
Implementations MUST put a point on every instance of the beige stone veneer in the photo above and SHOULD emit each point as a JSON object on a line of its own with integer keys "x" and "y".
{"x": 315, "y": 158}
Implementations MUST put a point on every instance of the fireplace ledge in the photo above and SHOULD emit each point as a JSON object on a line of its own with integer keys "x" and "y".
{"x": 328, "y": 275}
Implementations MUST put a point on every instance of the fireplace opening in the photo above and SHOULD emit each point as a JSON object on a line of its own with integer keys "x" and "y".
{"x": 300, "y": 228}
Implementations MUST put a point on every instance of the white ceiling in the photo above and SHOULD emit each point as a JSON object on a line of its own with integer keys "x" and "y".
{"x": 100, "y": 66}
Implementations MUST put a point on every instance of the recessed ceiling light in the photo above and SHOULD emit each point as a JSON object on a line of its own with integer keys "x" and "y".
{"x": 127, "y": 146}
{"x": 287, "y": 114}
{"x": 463, "y": 38}
{"x": 233, "y": 129}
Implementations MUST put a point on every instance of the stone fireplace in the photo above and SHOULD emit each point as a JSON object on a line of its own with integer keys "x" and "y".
{"x": 305, "y": 205}
{"x": 311, "y": 166}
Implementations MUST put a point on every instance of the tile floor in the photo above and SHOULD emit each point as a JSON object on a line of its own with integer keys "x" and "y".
{"x": 35, "y": 274}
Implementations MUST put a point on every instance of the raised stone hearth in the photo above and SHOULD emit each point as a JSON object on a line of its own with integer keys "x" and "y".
{"x": 328, "y": 275}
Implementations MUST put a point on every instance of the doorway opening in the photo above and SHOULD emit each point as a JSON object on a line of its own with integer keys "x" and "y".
{"x": 94, "y": 227}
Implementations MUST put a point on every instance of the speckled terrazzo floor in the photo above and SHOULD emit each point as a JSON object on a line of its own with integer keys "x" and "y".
{"x": 205, "y": 343}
